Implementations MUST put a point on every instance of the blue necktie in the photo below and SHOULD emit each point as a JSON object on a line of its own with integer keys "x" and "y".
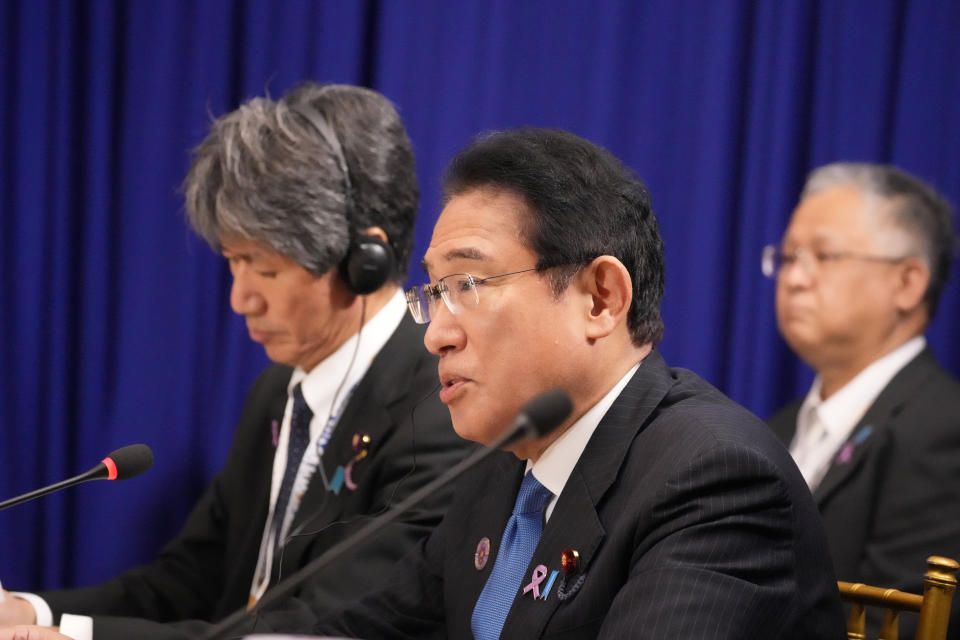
{"x": 516, "y": 548}
{"x": 296, "y": 446}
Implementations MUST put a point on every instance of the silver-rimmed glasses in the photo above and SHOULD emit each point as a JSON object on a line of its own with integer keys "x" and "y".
{"x": 457, "y": 290}
{"x": 775, "y": 259}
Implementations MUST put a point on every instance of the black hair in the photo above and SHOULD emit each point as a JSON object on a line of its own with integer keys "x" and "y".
{"x": 582, "y": 203}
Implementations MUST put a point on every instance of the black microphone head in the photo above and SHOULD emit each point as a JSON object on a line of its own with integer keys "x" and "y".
{"x": 547, "y": 411}
{"x": 129, "y": 461}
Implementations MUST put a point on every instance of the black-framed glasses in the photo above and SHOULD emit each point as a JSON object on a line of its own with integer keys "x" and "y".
{"x": 457, "y": 290}
{"x": 775, "y": 259}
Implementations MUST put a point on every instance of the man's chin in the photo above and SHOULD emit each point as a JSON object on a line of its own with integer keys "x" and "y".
{"x": 469, "y": 427}
{"x": 280, "y": 356}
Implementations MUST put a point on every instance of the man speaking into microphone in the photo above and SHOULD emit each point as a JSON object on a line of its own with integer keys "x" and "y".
{"x": 312, "y": 201}
{"x": 659, "y": 508}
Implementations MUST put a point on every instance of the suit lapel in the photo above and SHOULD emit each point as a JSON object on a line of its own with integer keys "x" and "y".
{"x": 487, "y": 518}
{"x": 848, "y": 459}
{"x": 268, "y": 424}
{"x": 369, "y": 410}
{"x": 869, "y": 434}
{"x": 575, "y": 522}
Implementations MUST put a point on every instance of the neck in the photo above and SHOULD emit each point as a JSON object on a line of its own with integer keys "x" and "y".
{"x": 378, "y": 300}
{"x": 606, "y": 378}
{"x": 836, "y": 375}
{"x": 375, "y": 302}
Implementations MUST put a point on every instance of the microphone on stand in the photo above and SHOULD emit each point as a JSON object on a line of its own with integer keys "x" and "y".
{"x": 539, "y": 417}
{"x": 125, "y": 462}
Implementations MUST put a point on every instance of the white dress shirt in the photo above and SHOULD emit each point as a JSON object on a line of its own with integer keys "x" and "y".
{"x": 326, "y": 390}
{"x": 824, "y": 425}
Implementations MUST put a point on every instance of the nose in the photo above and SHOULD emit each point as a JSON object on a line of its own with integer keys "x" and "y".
{"x": 245, "y": 300}
{"x": 444, "y": 333}
{"x": 796, "y": 274}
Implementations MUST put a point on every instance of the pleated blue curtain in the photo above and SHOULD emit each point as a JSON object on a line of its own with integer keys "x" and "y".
{"x": 114, "y": 321}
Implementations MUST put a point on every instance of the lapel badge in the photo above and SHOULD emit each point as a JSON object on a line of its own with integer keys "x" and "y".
{"x": 274, "y": 433}
{"x": 336, "y": 482}
{"x": 846, "y": 451}
{"x": 570, "y": 563}
{"x": 342, "y": 476}
{"x": 361, "y": 447}
{"x": 538, "y": 576}
{"x": 482, "y": 553}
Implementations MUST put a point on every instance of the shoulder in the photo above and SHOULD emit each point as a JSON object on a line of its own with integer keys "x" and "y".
{"x": 269, "y": 384}
{"x": 265, "y": 400}
{"x": 920, "y": 410}
{"x": 784, "y": 422}
{"x": 693, "y": 406}
{"x": 699, "y": 434}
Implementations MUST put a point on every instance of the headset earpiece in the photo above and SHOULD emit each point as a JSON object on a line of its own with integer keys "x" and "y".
{"x": 367, "y": 265}
{"x": 369, "y": 260}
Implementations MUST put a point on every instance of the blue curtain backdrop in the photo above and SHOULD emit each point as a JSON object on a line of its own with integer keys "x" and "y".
{"x": 114, "y": 320}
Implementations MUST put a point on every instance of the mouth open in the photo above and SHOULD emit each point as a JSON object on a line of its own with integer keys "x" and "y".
{"x": 451, "y": 387}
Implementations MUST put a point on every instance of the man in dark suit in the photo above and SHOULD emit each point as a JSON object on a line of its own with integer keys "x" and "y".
{"x": 659, "y": 508}
{"x": 859, "y": 274}
{"x": 312, "y": 200}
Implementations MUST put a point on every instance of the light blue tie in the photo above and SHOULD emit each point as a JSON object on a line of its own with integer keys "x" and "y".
{"x": 516, "y": 548}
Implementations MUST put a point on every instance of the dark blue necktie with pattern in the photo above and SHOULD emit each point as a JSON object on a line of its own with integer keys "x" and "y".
{"x": 296, "y": 446}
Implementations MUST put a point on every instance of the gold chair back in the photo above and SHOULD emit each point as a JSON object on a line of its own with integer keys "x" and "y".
{"x": 933, "y": 606}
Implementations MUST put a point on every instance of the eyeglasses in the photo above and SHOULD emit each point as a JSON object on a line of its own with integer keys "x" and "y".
{"x": 775, "y": 259}
{"x": 457, "y": 290}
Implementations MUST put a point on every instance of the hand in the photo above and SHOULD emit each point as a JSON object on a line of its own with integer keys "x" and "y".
{"x": 14, "y": 610}
{"x": 24, "y": 632}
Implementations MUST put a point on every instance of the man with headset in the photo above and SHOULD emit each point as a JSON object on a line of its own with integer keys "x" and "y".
{"x": 312, "y": 200}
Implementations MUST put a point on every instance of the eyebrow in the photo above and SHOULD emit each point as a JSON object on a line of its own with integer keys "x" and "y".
{"x": 467, "y": 253}
{"x": 818, "y": 239}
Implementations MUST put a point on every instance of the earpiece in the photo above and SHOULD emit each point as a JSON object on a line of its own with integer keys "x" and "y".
{"x": 367, "y": 265}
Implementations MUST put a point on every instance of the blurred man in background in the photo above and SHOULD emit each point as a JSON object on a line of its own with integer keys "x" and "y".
{"x": 859, "y": 275}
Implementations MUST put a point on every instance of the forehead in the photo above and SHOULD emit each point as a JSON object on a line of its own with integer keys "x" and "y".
{"x": 240, "y": 247}
{"x": 480, "y": 226}
{"x": 836, "y": 213}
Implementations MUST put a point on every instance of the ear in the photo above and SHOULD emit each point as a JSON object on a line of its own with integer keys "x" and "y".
{"x": 610, "y": 290}
{"x": 913, "y": 277}
{"x": 377, "y": 232}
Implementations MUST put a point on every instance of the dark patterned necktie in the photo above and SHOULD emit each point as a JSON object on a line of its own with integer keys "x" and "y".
{"x": 516, "y": 548}
{"x": 296, "y": 446}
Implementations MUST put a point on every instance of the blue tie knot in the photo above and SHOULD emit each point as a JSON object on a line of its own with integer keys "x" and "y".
{"x": 532, "y": 496}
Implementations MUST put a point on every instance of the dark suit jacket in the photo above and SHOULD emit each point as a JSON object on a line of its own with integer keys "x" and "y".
{"x": 892, "y": 495}
{"x": 690, "y": 519}
{"x": 206, "y": 571}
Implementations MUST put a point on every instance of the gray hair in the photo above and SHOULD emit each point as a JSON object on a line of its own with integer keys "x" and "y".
{"x": 914, "y": 208}
{"x": 305, "y": 174}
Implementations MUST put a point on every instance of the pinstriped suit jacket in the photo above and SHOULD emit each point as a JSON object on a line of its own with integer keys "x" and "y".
{"x": 690, "y": 519}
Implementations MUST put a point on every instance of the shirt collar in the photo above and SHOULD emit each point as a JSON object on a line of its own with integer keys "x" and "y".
{"x": 316, "y": 384}
{"x": 556, "y": 463}
{"x": 841, "y": 412}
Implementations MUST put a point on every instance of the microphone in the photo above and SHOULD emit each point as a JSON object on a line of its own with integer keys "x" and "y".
{"x": 125, "y": 462}
{"x": 539, "y": 417}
